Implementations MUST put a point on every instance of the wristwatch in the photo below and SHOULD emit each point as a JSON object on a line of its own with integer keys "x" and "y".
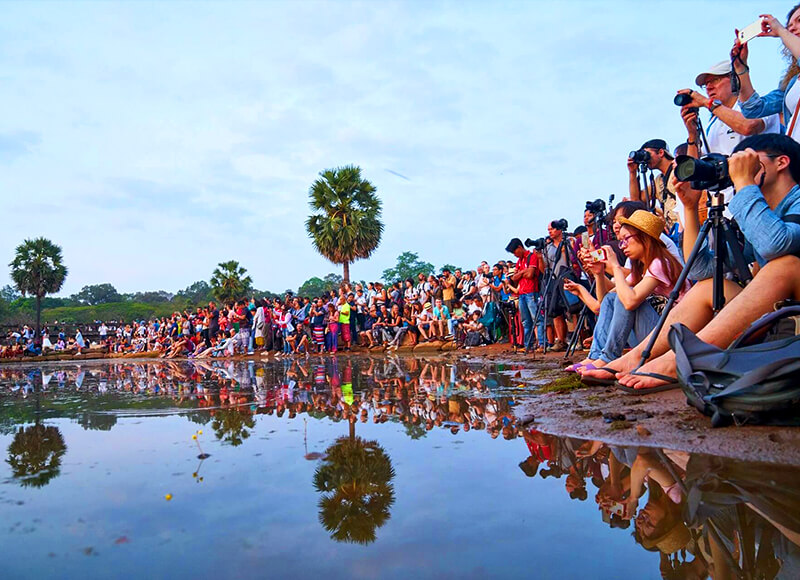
{"x": 714, "y": 104}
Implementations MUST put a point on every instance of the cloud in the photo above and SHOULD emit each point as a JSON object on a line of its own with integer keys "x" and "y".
{"x": 15, "y": 144}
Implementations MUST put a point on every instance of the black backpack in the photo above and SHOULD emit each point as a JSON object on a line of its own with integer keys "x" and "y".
{"x": 749, "y": 382}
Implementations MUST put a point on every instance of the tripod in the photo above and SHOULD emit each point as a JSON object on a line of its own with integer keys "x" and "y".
{"x": 551, "y": 279}
{"x": 723, "y": 236}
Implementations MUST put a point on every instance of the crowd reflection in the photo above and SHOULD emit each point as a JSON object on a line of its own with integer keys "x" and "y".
{"x": 705, "y": 516}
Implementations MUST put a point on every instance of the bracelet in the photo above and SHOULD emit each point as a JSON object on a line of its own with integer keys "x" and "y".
{"x": 691, "y": 142}
{"x": 746, "y": 70}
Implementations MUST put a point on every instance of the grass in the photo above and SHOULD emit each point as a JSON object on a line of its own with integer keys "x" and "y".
{"x": 562, "y": 384}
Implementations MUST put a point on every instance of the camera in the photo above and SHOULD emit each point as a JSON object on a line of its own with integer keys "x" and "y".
{"x": 639, "y": 156}
{"x": 596, "y": 206}
{"x": 560, "y": 225}
{"x": 708, "y": 172}
{"x": 537, "y": 244}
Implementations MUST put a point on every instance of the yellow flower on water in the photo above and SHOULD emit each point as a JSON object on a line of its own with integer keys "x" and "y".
{"x": 168, "y": 497}
{"x": 200, "y": 432}
{"x": 194, "y": 437}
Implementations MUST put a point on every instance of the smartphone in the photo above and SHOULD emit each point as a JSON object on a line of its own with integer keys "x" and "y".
{"x": 598, "y": 255}
{"x": 585, "y": 240}
{"x": 749, "y": 32}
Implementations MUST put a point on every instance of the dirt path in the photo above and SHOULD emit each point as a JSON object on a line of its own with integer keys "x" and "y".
{"x": 654, "y": 420}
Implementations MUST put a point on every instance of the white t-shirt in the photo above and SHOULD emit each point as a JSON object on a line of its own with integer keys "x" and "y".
{"x": 723, "y": 139}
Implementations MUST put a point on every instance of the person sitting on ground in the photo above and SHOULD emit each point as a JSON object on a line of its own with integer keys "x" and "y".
{"x": 624, "y": 307}
{"x": 765, "y": 170}
{"x": 441, "y": 319}
{"x": 476, "y": 331}
{"x": 366, "y": 332}
{"x": 425, "y": 323}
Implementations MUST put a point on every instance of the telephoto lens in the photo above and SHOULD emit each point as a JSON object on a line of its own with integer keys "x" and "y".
{"x": 682, "y": 99}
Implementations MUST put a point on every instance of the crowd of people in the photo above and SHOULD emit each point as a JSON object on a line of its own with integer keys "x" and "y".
{"x": 601, "y": 287}
{"x": 623, "y": 269}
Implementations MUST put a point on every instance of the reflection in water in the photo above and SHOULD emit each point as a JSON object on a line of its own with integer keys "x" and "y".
{"x": 357, "y": 494}
{"x": 35, "y": 454}
{"x": 703, "y": 516}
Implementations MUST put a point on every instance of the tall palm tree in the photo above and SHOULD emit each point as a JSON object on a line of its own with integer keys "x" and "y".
{"x": 357, "y": 494}
{"x": 35, "y": 454}
{"x": 229, "y": 281}
{"x": 346, "y": 224}
{"x": 38, "y": 269}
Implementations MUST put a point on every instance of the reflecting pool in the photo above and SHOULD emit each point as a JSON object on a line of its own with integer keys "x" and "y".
{"x": 355, "y": 467}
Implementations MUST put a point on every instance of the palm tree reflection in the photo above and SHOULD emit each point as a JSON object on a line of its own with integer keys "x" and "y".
{"x": 230, "y": 425}
{"x": 35, "y": 454}
{"x": 357, "y": 494}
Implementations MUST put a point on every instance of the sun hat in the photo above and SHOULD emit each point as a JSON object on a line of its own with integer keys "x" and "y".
{"x": 646, "y": 222}
{"x": 720, "y": 69}
{"x": 427, "y": 305}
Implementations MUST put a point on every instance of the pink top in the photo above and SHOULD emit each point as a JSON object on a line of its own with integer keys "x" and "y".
{"x": 656, "y": 270}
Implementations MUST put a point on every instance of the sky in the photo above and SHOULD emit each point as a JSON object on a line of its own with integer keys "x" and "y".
{"x": 152, "y": 141}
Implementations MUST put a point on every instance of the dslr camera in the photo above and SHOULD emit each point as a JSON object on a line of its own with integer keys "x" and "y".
{"x": 708, "y": 172}
{"x": 597, "y": 206}
{"x": 639, "y": 156}
{"x": 560, "y": 225}
{"x": 537, "y": 244}
{"x": 682, "y": 99}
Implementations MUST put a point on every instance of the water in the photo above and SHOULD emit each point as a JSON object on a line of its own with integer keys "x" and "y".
{"x": 432, "y": 478}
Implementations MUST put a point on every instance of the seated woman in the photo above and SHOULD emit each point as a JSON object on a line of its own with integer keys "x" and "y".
{"x": 400, "y": 325}
{"x": 624, "y": 307}
{"x": 476, "y": 331}
{"x": 425, "y": 323}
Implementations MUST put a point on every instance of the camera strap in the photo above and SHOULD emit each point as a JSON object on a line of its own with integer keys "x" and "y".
{"x": 794, "y": 119}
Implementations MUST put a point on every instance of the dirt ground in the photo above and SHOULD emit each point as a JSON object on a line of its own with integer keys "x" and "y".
{"x": 654, "y": 420}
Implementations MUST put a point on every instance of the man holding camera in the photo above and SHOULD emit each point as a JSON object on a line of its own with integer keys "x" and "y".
{"x": 728, "y": 126}
{"x": 653, "y": 155}
{"x": 765, "y": 171}
{"x": 558, "y": 264}
{"x": 526, "y": 278}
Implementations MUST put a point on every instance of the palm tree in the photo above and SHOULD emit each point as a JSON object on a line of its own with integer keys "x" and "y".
{"x": 229, "y": 281}
{"x": 38, "y": 270}
{"x": 345, "y": 225}
{"x": 230, "y": 425}
{"x": 357, "y": 494}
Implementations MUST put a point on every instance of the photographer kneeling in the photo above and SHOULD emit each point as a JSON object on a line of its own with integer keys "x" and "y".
{"x": 765, "y": 171}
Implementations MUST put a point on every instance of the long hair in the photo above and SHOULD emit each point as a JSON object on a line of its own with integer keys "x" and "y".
{"x": 653, "y": 249}
{"x": 794, "y": 69}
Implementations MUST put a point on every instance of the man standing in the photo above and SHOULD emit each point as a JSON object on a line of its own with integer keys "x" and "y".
{"x": 526, "y": 277}
{"x": 660, "y": 159}
{"x": 448, "y": 288}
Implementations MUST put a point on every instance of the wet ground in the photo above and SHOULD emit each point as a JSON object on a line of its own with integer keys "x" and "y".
{"x": 359, "y": 467}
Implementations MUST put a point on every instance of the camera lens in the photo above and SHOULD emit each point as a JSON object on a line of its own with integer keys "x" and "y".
{"x": 639, "y": 156}
{"x": 682, "y": 99}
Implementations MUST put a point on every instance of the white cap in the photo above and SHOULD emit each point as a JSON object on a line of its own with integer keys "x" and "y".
{"x": 718, "y": 70}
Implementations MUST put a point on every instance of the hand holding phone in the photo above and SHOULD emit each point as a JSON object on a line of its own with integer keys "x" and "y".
{"x": 598, "y": 255}
{"x": 749, "y": 32}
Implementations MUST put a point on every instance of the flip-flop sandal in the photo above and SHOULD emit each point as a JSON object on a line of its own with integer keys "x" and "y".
{"x": 597, "y": 382}
{"x": 671, "y": 384}
{"x": 574, "y": 368}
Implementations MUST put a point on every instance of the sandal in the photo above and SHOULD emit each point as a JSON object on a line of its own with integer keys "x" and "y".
{"x": 671, "y": 384}
{"x": 597, "y": 382}
{"x": 574, "y": 368}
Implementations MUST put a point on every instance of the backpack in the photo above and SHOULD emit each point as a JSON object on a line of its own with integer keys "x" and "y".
{"x": 750, "y": 381}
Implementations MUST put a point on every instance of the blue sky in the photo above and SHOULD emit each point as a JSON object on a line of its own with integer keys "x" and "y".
{"x": 154, "y": 140}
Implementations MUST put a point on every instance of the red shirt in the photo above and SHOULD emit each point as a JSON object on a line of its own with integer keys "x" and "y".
{"x": 528, "y": 285}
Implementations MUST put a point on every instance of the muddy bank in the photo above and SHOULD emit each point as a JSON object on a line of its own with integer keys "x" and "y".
{"x": 654, "y": 420}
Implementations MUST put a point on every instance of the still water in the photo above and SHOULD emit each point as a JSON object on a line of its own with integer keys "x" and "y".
{"x": 355, "y": 468}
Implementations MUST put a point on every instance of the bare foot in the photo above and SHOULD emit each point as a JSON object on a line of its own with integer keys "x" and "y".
{"x": 663, "y": 365}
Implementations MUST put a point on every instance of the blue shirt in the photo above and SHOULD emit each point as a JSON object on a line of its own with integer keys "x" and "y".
{"x": 773, "y": 102}
{"x": 767, "y": 236}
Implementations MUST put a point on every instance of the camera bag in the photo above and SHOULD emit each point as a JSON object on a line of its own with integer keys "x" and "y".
{"x": 756, "y": 380}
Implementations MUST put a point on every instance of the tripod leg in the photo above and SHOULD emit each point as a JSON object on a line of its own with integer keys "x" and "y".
{"x": 673, "y": 296}
{"x": 739, "y": 263}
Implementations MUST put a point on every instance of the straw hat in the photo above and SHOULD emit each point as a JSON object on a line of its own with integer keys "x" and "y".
{"x": 646, "y": 222}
